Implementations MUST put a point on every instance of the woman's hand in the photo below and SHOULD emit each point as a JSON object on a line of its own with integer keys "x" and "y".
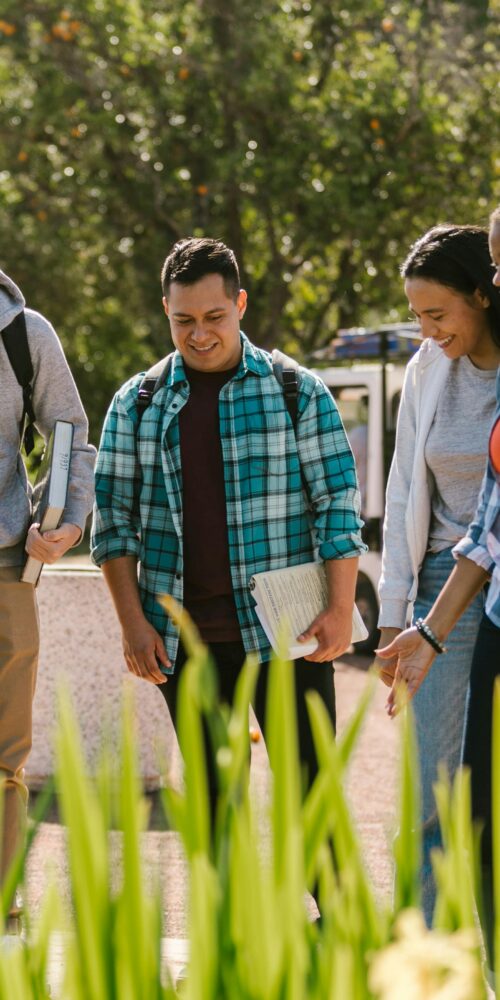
{"x": 386, "y": 666}
{"x": 414, "y": 657}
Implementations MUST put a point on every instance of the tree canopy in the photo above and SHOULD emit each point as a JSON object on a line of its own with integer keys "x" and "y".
{"x": 317, "y": 138}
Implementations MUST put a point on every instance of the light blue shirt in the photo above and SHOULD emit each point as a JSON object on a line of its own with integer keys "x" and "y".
{"x": 482, "y": 541}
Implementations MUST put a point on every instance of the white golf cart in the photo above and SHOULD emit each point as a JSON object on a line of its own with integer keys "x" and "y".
{"x": 364, "y": 370}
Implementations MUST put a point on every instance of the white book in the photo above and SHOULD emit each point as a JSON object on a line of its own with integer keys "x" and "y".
{"x": 291, "y": 599}
{"x": 50, "y": 490}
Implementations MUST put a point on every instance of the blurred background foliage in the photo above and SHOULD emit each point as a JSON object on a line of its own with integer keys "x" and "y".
{"x": 317, "y": 138}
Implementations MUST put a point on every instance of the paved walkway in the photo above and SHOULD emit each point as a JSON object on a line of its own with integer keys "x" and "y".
{"x": 371, "y": 788}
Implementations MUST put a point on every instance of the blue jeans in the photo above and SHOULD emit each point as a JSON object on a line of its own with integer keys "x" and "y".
{"x": 477, "y": 755}
{"x": 439, "y": 707}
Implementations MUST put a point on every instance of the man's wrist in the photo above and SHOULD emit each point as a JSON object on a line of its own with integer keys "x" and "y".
{"x": 340, "y": 607}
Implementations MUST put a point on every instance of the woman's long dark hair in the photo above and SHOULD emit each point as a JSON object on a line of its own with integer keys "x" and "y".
{"x": 457, "y": 257}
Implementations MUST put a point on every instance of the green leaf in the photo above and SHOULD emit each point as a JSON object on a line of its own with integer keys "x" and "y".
{"x": 407, "y": 845}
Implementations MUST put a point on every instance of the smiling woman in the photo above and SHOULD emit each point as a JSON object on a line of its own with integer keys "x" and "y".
{"x": 446, "y": 410}
{"x": 458, "y": 324}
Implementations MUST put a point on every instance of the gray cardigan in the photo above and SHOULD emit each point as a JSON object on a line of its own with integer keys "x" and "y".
{"x": 408, "y": 497}
{"x": 55, "y": 396}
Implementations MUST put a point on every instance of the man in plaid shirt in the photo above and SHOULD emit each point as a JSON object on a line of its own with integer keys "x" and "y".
{"x": 213, "y": 485}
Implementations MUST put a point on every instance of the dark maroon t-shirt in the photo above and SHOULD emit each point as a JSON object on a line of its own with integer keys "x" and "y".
{"x": 208, "y": 589}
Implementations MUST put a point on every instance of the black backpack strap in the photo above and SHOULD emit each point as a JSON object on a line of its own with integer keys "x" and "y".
{"x": 151, "y": 382}
{"x": 286, "y": 370}
{"x": 15, "y": 339}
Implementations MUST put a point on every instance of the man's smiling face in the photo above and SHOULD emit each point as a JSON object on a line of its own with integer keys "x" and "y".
{"x": 205, "y": 323}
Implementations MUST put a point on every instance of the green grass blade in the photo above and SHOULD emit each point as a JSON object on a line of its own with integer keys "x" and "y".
{"x": 362, "y": 923}
{"x": 88, "y": 859}
{"x": 407, "y": 847}
{"x": 15, "y": 874}
{"x": 196, "y": 831}
{"x": 39, "y": 937}
{"x": 350, "y": 735}
{"x": 233, "y": 735}
{"x": 255, "y": 914}
{"x": 197, "y": 694}
{"x": 282, "y": 745}
{"x": 203, "y": 970}
{"x": 286, "y": 824}
{"x": 14, "y": 976}
{"x": 456, "y": 866}
{"x": 138, "y": 968}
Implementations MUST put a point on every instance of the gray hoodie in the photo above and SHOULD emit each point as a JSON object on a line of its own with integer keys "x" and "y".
{"x": 55, "y": 397}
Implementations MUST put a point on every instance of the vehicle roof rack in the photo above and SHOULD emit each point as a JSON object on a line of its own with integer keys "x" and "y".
{"x": 391, "y": 341}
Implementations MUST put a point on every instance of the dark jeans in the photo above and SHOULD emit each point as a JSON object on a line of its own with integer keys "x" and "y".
{"x": 229, "y": 658}
{"x": 477, "y": 749}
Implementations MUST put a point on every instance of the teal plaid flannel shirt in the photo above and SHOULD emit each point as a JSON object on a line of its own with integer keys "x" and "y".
{"x": 290, "y": 497}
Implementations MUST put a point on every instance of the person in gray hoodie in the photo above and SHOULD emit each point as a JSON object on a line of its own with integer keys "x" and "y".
{"x": 54, "y": 396}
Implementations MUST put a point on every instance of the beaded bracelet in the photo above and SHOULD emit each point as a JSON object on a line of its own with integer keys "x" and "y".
{"x": 426, "y": 631}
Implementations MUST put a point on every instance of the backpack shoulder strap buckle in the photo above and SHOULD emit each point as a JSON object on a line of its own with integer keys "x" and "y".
{"x": 286, "y": 371}
{"x": 151, "y": 382}
{"x": 289, "y": 381}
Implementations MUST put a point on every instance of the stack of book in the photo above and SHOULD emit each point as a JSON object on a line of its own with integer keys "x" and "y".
{"x": 289, "y": 600}
{"x": 50, "y": 490}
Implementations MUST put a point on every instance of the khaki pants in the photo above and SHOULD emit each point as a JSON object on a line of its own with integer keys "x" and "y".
{"x": 19, "y": 642}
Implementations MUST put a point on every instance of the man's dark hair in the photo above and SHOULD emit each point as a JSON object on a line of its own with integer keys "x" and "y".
{"x": 457, "y": 257}
{"x": 192, "y": 259}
